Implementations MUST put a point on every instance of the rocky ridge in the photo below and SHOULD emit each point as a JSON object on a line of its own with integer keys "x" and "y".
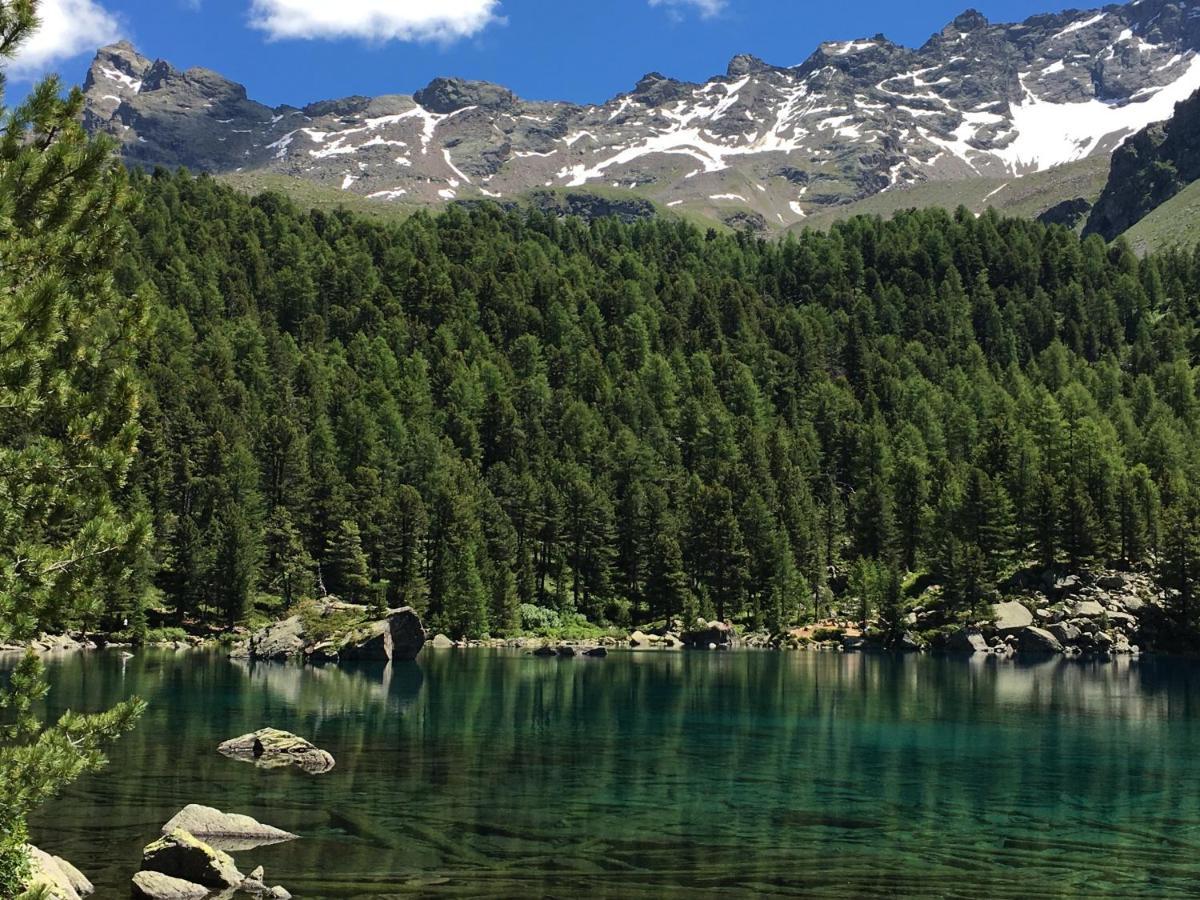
{"x": 761, "y": 146}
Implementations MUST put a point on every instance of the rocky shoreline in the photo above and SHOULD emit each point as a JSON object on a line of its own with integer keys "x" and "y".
{"x": 1078, "y": 615}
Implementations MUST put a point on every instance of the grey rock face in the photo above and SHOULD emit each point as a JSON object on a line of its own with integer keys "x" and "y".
{"x": 773, "y": 143}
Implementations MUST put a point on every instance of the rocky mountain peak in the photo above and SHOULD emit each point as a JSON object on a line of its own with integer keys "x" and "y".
{"x": 971, "y": 20}
{"x": 756, "y": 144}
{"x": 449, "y": 95}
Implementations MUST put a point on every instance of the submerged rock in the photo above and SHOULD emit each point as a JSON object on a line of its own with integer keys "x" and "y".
{"x": 230, "y": 832}
{"x": 596, "y": 652}
{"x": 157, "y": 886}
{"x": 270, "y": 748}
{"x": 183, "y": 855}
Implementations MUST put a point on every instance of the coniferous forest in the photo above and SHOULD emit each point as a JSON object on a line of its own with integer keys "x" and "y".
{"x": 498, "y": 417}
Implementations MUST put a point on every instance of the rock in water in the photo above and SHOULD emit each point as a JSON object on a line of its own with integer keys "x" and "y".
{"x": 270, "y": 748}
{"x": 441, "y": 642}
{"x": 230, "y": 832}
{"x": 183, "y": 855}
{"x": 596, "y": 652}
{"x": 399, "y": 636}
{"x": 157, "y": 886}
{"x": 1011, "y": 616}
{"x": 60, "y": 879}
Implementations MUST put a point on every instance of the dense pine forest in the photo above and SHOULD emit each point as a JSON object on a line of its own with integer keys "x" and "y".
{"x": 505, "y": 419}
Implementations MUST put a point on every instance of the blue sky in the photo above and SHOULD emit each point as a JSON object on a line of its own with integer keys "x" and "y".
{"x": 297, "y": 51}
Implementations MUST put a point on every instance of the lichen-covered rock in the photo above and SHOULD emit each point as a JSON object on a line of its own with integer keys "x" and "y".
{"x": 271, "y": 748}
{"x": 230, "y": 832}
{"x": 183, "y": 855}
{"x": 157, "y": 886}
{"x": 398, "y": 636}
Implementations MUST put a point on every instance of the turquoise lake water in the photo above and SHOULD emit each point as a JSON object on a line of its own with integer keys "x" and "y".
{"x": 493, "y": 774}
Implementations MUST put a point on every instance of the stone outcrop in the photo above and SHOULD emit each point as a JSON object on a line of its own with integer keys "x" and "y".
{"x": 345, "y": 634}
{"x": 398, "y": 636}
{"x": 271, "y": 748}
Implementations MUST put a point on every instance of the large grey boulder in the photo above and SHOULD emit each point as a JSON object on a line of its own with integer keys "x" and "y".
{"x": 441, "y": 642}
{"x": 230, "y": 832}
{"x": 1035, "y": 641}
{"x": 271, "y": 748}
{"x": 1011, "y": 616}
{"x": 398, "y": 636}
{"x": 183, "y": 855}
{"x": 967, "y": 640}
{"x": 157, "y": 886}
{"x": 1065, "y": 632}
{"x": 278, "y": 641}
{"x": 1089, "y": 609}
{"x": 60, "y": 879}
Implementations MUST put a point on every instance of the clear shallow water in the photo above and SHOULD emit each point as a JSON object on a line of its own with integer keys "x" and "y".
{"x": 487, "y": 774}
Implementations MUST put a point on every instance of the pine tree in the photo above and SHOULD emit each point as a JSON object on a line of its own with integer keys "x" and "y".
{"x": 68, "y": 427}
{"x": 67, "y": 388}
{"x": 347, "y": 574}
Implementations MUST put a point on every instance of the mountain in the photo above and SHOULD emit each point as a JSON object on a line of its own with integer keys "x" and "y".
{"x": 1148, "y": 170}
{"x": 762, "y": 146}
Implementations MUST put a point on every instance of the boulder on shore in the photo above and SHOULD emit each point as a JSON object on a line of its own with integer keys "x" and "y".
{"x": 271, "y": 748}
{"x": 157, "y": 886}
{"x": 1035, "y": 641}
{"x": 60, "y": 879}
{"x": 441, "y": 642}
{"x": 1011, "y": 616}
{"x": 183, "y": 855}
{"x": 230, "y": 832}
{"x": 709, "y": 635}
{"x": 967, "y": 640}
{"x": 398, "y": 636}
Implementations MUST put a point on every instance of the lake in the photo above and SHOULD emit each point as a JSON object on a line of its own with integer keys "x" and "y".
{"x": 494, "y": 774}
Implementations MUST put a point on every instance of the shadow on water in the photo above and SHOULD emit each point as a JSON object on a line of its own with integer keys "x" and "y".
{"x": 656, "y": 774}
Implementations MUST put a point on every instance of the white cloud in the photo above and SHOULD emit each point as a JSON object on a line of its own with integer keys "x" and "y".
{"x": 706, "y": 8}
{"x": 68, "y": 28}
{"x": 375, "y": 20}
